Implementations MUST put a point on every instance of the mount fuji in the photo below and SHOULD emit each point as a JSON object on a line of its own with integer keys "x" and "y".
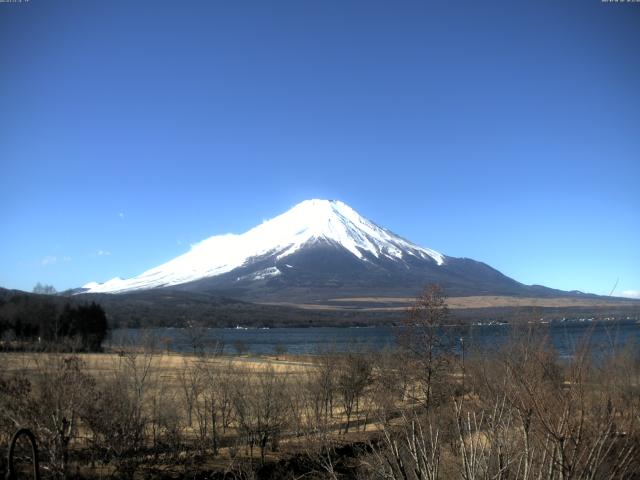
{"x": 318, "y": 251}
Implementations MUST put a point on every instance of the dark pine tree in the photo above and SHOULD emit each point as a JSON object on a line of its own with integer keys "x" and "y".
{"x": 87, "y": 322}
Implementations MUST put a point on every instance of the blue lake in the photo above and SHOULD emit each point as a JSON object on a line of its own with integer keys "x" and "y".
{"x": 603, "y": 335}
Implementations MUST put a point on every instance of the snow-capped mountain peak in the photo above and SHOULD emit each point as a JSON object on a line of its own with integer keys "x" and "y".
{"x": 307, "y": 223}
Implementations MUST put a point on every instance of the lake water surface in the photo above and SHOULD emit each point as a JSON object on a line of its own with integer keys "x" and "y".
{"x": 565, "y": 336}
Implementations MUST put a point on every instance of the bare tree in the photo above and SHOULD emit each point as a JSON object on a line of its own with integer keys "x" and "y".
{"x": 44, "y": 289}
{"x": 390, "y": 383}
{"x": 196, "y": 336}
{"x": 322, "y": 383}
{"x": 409, "y": 451}
{"x": 547, "y": 419}
{"x": 116, "y": 415}
{"x": 353, "y": 376}
{"x": 424, "y": 339}
{"x": 213, "y": 408}
{"x": 261, "y": 409}
{"x": 50, "y": 402}
{"x": 189, "y": 379}
{"x": 240, "y": 347}
{"x": 166, "y": 425}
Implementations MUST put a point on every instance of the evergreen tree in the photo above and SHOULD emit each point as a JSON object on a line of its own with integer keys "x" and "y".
{"x": 87, "y": 322}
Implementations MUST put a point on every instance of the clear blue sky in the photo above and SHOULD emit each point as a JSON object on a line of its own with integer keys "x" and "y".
{"x": 507, "y": 132}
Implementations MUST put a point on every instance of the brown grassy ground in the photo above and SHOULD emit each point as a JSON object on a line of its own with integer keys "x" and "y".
{"x": 455, "y": 303}
{"x": 164, "y": 373}
{"x": 163, "y": 364}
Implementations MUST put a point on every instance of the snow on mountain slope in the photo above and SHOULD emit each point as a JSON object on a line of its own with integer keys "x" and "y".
{"x": 305, "y": 224}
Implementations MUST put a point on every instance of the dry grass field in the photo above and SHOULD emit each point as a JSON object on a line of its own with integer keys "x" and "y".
{"x": 397, "y": 304}
{"x": 236, "y": 405}
{"x": 165, "y": 365}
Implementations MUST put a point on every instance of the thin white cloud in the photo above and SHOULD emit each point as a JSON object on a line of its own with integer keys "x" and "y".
{"x": 630, "y": 293}
{"x": 121, "y": 214}
{"x": 66, "y": 258}
{"x": 48, "y": 260}
{"x": 104, "y": 253}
